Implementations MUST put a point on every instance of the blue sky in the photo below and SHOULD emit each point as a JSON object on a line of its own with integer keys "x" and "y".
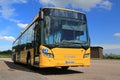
{"x": 103, "y": 18}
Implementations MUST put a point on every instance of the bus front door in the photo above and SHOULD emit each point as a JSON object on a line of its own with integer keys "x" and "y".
{"x": 36, "y": 45}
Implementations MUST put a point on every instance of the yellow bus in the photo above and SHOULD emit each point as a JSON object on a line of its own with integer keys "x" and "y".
{"x": 56, "y": 37}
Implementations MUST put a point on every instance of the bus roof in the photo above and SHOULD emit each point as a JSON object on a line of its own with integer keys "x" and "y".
{"x": 57, "y": 8}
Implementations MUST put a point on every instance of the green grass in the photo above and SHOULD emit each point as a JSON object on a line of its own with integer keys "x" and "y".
{"x": 5, "y": 55}
{"x": 111, "y": 56}
{"x": 96, "y": 58}
{"x": 108, "y": 56}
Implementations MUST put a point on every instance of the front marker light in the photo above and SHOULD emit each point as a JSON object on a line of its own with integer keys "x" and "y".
{"x": 86, "y": 55}
{"x": 47, "y": 54}
{"x": 51, "y": 55}
{"x": 44, "y": 50}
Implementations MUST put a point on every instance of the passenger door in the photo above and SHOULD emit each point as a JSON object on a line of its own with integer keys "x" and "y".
{"x": 36, "y": 44}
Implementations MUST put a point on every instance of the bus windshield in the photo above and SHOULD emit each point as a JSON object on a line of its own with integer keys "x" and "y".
{"x": 66, "y": 31}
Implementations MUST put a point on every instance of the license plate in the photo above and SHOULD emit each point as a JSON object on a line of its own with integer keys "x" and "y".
{"x": 69, "y": 62}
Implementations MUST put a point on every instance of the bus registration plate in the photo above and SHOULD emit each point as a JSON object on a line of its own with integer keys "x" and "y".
{"x": 69, "y": 62}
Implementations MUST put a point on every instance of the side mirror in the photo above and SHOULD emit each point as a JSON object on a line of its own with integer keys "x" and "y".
{"x": 41, "y": 14}
{"x": 89, "y": 41}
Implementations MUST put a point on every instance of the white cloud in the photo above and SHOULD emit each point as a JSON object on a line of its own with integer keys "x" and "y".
{"x": 84, "y": 4}
{"x": 106, "y": 4}
{"x": 6, "y": 9}
{"x": 112, "y": 51}
{"x": 8, "y": 38}
{"x": 108, "y": 46}
{"x": 21, "y": 25}
{"x": 117, "y": 35}
{"x": 20, "y": 1}
{"x": 8, "y": 12}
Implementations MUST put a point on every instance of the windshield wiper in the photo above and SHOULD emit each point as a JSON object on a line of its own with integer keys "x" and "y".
{"x": 73, "y": 41}
{"x": 51, "y": 45}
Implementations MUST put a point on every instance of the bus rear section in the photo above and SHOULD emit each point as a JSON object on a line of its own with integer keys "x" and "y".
{"x": 64, "y": 57}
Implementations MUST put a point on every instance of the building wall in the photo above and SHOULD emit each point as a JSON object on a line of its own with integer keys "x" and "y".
{"x": 96, "y": 52}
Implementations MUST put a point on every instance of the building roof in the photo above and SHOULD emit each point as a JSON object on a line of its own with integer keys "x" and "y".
{"x": 96, "y": 47}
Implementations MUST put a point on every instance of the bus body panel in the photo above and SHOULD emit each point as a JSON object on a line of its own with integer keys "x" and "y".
{"x": 21, "y": 57}
{"x": 65, "y": 57}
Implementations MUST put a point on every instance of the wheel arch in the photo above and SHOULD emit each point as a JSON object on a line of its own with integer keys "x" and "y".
{"x": 28, "y": 57}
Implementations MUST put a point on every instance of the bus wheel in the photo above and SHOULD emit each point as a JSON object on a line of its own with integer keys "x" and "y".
{"x": 64, "y": 68}
{"x": 28, "y": 60}
{"x": 29, "y": 63}
{"x": 14, "y": 59}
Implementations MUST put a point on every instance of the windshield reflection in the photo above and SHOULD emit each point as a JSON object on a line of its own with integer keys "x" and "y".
{"x": 65, "y": 31}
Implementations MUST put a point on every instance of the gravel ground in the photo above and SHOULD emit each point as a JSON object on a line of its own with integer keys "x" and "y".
{"x": 99, "y": 70}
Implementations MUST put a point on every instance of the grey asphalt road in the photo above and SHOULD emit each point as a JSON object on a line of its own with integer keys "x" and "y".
{"x": 11, "y": 71}
{"x": 99, "y": 70}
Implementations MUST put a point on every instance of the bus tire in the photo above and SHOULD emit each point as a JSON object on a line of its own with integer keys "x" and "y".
{"x": 14, "y": 58}
{"x": 28, "y": 60}
{"x": 65, "y": 67}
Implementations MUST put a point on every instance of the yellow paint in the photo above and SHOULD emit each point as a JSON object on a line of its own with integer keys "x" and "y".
{"x": 23, "y": 56}
{"x": 64, "y": 57}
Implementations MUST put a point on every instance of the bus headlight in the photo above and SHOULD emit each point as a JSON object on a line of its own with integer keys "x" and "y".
{"x": 86, "y": 55}
{"x": 47, "y": 53}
